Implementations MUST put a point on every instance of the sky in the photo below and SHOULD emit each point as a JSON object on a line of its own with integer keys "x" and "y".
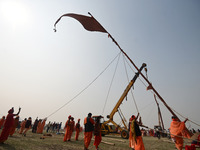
{"x": 57, "y": 74}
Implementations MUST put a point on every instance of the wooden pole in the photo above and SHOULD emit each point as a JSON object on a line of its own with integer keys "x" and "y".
{"x": 108, "y": 143}
{"x": 144, "y": 78}
{"x": 159, "y": 114}
{"x": 109, "y": 35}
{"x": 150, "y": 85}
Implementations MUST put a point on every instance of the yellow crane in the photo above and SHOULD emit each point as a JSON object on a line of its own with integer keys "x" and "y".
{"x": 106, "y": 128}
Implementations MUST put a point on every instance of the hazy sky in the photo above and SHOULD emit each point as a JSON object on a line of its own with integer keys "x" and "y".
{"x": 41, "y": 70}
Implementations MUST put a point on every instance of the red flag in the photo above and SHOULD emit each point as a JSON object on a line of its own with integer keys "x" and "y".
{"x": 89, "y": 23}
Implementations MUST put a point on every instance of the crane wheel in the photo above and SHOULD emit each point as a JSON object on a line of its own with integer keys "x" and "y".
{"x": 124, "y": 134}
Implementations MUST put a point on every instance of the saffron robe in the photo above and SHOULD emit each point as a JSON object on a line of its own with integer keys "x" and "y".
{"x": 67, "y": 130}
{"x": 135, "y": 139}
{"x": 40, "y": 126}
{"x": 77, "y": 130}
{"x": 97, "y": 135}
{"x": 22, "y": 126}
{"x": 177, "y": 130}
{"x": 7, "y": 126}
{"x": 71, "y": 129}
{"x": 2, "y": 122}
{"x": 13, "y": 128}
{"x": 88, "y": 134}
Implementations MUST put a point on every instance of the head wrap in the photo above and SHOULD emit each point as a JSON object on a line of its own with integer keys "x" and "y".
{"x": 90, "y": 114}
{"x": 174, "y": 118}
{"x": 11, "y": 110}
{"x": 132, "y": 118}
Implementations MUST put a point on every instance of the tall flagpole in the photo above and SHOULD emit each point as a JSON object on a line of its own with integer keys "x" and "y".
{"x": 150, "y": 85}
{"x": 160, "y": 120}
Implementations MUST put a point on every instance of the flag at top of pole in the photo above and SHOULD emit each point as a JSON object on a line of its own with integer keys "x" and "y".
{"x": 89, "y": 23}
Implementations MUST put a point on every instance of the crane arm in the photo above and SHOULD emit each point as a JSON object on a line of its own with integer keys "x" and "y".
{"x": 115, "y": 109}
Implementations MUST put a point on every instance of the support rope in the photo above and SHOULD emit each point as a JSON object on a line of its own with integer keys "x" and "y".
{"x": 189, "y": 139}
{"x": 183, "y": 116}
{"x": 186, "y": 117}
{"x": 135, "y": 72}
{"x": 128, "y": 81}
{"x": 111, "y": 83}
{"x": 85, "y": 87}
{"x": 159, "y": 98}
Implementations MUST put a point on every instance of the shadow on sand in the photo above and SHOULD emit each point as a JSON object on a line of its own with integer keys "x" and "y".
{"x": 7, "y": 146}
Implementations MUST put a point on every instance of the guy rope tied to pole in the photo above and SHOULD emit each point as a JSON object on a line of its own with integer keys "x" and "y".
{"x": 91, "y": 24}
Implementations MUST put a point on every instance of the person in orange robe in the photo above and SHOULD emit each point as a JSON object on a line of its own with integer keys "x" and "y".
{"x": 22, "y": 126}
{"x": 2, "y": 121}
{"x": 28, "y": 125}
{"x": 71, "y": 128}
{"x": 8, "y": 124}
{"x": 15, "y": 124}
{"x": 151, "y": 132}
{"x": 41, "y": 125}
{"x": 34, "y": 129}
{"x": 177, "y": 130}
{"x": 131, "y": 139}
{"x": 77, "y": 130}
{"x": 89, "y": 127}
{"x": 97, "y": 133}
{"x": 67, "y": 129}
{"x": 135, "y": 138}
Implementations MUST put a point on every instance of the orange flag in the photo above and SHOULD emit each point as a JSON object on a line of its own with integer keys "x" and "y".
{"x": 89, "y": 23}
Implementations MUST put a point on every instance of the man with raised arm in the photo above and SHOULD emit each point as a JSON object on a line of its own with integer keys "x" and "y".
{"x": 8, "y": 124}
{"x": 177, "y": 130}
{"x": 135, "y": 138}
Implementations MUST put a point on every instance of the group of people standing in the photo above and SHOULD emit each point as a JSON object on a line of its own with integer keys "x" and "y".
{"x": 38, "y": 125}
{"x": 90, "y": 127}
{"x": 69, "y": 128}
{"x": 11, "y": 122}
{"x": 93, "y": 126}
{"x": 177, "y": 129}
{"x": 53, "y": 127}
{"x": 25, "y": 126}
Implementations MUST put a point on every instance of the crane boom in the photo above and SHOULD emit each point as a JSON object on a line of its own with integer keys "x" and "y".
{"x": 115, "y": 109}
